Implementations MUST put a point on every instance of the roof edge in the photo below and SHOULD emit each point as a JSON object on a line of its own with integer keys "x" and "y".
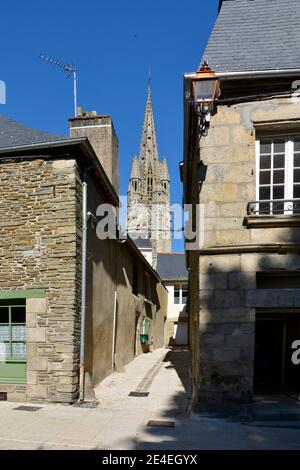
{"x": 130, "y": 243}
{"x": 250, "y": 74}
{"x": 221, "y": 3}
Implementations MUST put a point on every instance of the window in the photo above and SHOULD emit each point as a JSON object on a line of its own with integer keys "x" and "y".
{"x": 180, "y": 295}
{"x": 13, "y": 341}
{"x": 149, "y": 185}
{"x": 184, "y": 295}
{"x": 278, "y": 175}
{"x": 176, "y": 294}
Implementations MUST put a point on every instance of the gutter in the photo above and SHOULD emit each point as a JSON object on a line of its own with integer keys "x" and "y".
{"x": 41, "y": 145}
{"x": 245, "y": 75}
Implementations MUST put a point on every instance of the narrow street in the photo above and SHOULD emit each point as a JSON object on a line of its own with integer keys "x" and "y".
{"x": 122, "y": 421}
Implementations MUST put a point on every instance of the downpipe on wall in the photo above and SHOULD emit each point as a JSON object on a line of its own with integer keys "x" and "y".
{"x": 83, "y": 286}
{"x": 114, "y": 333}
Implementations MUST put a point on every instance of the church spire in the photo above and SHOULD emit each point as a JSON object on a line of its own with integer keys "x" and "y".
{"x": 148, "y": 147}
{"x": 149, "y": 214}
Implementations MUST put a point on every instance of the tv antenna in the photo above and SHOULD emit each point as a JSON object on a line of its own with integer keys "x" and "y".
{"x": 69, "y": 68}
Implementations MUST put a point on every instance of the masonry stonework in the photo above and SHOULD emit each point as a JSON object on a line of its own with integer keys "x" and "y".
{"x": 39, "y": 227}
{"x": 233, "y": 253}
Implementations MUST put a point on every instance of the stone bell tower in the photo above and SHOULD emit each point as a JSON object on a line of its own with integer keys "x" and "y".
{"x": 149, "y": 214}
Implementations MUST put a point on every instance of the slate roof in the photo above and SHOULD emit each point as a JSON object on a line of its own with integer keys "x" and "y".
{"x": 13, "y": 134}
{"x": 255, "y": 35}
{"x": 171, "y": 267}
{"x": 142, "y": 242}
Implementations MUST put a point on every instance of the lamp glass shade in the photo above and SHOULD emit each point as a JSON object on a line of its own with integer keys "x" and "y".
{"x": 204, "y": 90}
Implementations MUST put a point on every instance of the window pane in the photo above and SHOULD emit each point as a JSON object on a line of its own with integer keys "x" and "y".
{"x": 19, "y": 350}
{"x": 265, "y": 162}
{"x": 297, "y": 191}
{"x": 297, "y": 160}
{"x": 265, "y": 146}
{"x": 176, "y": 294}
{"x": 264, "y": 193}
{"x": 297, "y": 145}
{"x": 18, "y": 333}
{"x": 265, "y": 177}
{"x": 296, "y": 176}
{"x": 296, "y": 207}
{"x": 279, "y": 146}
{"x": 4, "y": 333}
{"x": 278, "y": 207}
{"x": 264, "y": 208}
{"x": 184, "y": 296}
{"x": 278, "y": 192}
{"x": 278, "y": 161}
{"x": 4, "y": 316}
{"x": 4, "y": 351}
{"x": 18, "y": 315}
{"x": 278, "y": 177}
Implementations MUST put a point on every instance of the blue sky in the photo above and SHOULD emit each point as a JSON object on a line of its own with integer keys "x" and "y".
{"x": 114, "y": 44}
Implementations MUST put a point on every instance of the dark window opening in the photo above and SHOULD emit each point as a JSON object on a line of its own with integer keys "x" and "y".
{"x": 279, "y": 280}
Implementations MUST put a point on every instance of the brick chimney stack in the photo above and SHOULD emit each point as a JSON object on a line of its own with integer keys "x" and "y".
{"x": 101, "y": 134}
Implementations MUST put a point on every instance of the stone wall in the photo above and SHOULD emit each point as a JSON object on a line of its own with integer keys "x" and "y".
{"x": 232, "y": 254}
{"x": 110, "y": 272}
{"x": 39, "y": 250}
{"x": 40, "y": 247}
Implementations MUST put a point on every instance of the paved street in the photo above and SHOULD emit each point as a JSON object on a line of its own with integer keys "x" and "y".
{"x": 120, "y": 421}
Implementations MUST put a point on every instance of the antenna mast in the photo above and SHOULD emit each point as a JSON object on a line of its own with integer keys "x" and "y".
{"x": 69, "y": 68}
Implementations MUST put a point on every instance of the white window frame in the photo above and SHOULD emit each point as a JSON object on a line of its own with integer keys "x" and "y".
{"x": 180, "y": 287}
{"x": 288, "y": 167}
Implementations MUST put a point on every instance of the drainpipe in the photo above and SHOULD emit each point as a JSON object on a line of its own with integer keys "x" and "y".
{"x": 83, "y": 285}
{"x": 114, "y": 333}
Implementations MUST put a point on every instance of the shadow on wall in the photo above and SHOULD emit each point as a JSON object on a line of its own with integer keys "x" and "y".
{"x": 244, "y": 342}
{"x": 179, "y": 335}
{"x": 110, "y": 267}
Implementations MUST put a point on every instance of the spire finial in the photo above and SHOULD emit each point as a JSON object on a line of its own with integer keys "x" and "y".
{"x": 149, "y": 81}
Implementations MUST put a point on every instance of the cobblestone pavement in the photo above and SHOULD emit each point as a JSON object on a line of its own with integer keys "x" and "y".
{"x": 120, "y": 421}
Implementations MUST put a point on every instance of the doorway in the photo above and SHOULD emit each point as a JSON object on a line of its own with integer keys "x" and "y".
{"x": 274, "y": 371}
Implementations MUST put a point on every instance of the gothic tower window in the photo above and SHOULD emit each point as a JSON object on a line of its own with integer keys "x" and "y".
{"x": 149, "y": 185}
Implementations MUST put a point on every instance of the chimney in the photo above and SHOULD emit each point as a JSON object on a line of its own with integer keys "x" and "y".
{"x": 101, "y": 134}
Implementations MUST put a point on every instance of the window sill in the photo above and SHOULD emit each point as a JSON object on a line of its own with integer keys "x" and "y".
{"x": 269, "y": 221}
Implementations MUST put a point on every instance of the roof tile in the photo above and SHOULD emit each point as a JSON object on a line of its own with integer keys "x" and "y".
{"x": 13, "y": 134}
{"x": 255, "y": 35}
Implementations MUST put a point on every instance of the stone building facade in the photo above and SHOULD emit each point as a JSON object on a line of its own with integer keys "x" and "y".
{"x": 148, "y": 212}
{"x": 244, "y": 287}
{"x": 40, "y": 276}
{"x": 172, "y": 270}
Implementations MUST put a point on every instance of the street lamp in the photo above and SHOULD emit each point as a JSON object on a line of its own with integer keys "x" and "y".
{"x": 205, "y": 90}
